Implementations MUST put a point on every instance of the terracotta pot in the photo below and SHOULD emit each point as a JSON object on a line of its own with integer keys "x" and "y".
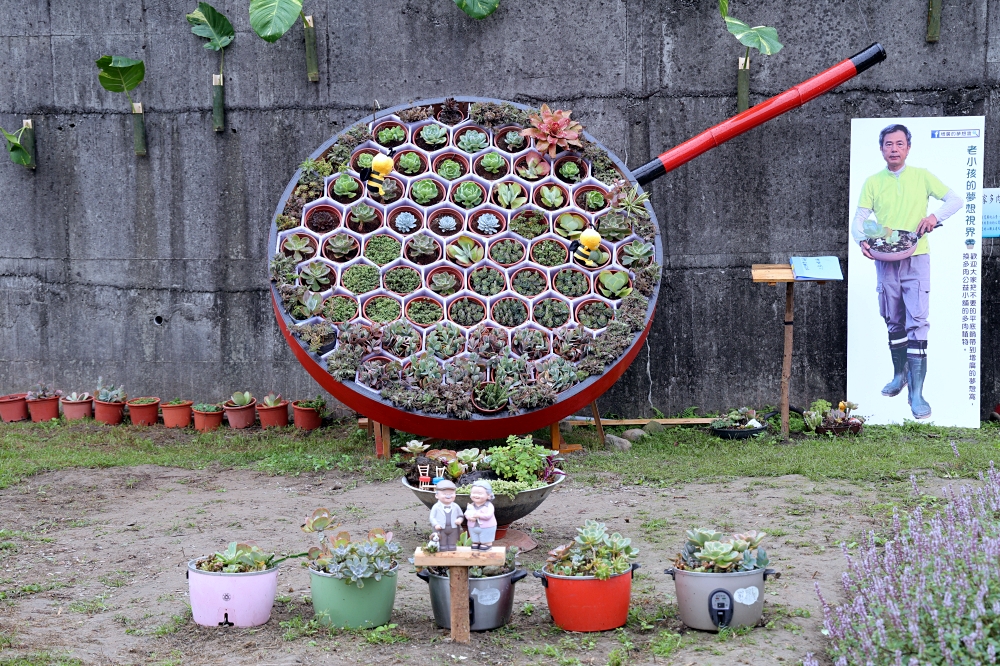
{"x": 406, "y": 311}
{"x": 345, "y": 296}
{"x": 563, "y": 246}
{"x": 310, "y": 222}
{"x": 365, "y": 309}
{"x": 75, "y": 410}
{"x": 580, "y": 198}
{"x": 537, "y": 199}
{"x": 43, "y": 409}
{"x": 240, "y": 417}
{"x": 474, "y": 222}
{"x": 366, "y": 229}
{"x": 363, "y": 151}
{"x": 483, "y": 409}
{"x": 461, "y": 159}
{"x": 499, "y": 142}
{"x": 13, "y": 407}
{"x": 494, "y": 192}
{"x": 603, "y": 248}
{"x": 400, "y": 188}
{"x": 306, "y": 418}
{"x": 312, "y": 247}
{"x": 273, "y": 417}
{"x": 569, "y": 158}
{"x": 346, "y": 200}
{"x": 418, "y": 139}
{"x": 176, "y": 416}
{"x": 412, "y": 211}
{"x": 527, "y": 309}
{"x": 471, "y": 128}
{"x": 469, "y": 297}
{"x": 586, "y": 277}
{"x": 476, "y": 241}
{"x": 524, "y": 252}
{"x": 522, "y": 162}
{"x": 385, "y": 125}
{"x": 530, "y": 269}
{"x": 445, "y": 212}
{"x": 459, "y": 277}
{"x": 483, "y": 173}
{"x": 109, "y": 413}
{"x": 482, "y": 192}
{"x": 422, "y": 261}
{"x": 357, "y": 249}
{"x": 423, "y": 164}
{"x": 207, "y": 421}
{"x": 144, "y": 414}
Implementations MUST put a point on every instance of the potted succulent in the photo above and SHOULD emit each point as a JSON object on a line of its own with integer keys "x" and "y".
{"x": 43, "y": 403}
{"x": 144, "y": 411}
{"x": 360, "y": 278}
{"x": 487, "y": 281}
{"x": 422, "y": 249}
{"x": 571, "y": 282}
{"x": 570, "y": 226}
{"x": 507, "y": 252}
{"x": 614, "y": 285}
{"x": 636, "y": 254}
{"x": 550, "y": 312}
{"x": 345, "y": 188}
{"x": 446, "y": 222}
{"x": 491, "y": 593}
{"x": 299, "y": 247}
{"x": 401, "y": 339}
{"x": 822, "y": 418}
{"x": 320, "y": 337}
{"x": 402, "y": 280}
{"x": 405, "y": 220}
{"x": 529, "y": 282}
{"x": 77, "y": 406}
{"x": 273, "y": 412}
{"x": 472, "y": 139}
{"x": 467, "y": 311}
{"x": 322, "y": 219}
{"x": 451, "y": 111}
{"x": 531, "y": 166}
{"x": 720, "y": 582}
{"x": 109, "y": 403}
{"x": 424, "y": 311}
{"x": 739, "y": 423}
{"x": 309, "y": 413}
{"x": 465, "y": 251}
{"x": 551, "y": 196}
{"x": 491, "y": 166}
{"x": 207, "y": 417}
{"x": 427, "y": 191}
{"x": 570, "y": 169}
{"x": 235, "y": 587}
{"x": 390, "y": 134}
{"x": 591, "y": 198}
{"x": 352, "y": 583}
{"x": 490, "y": 397}
{"x": 176, "y": 413}
{"x": 468, "y": 194}
{"x": 339, "y": 309}
{"x": 410, "y": 163}
{"x": 509, "y": 312}
{"x": 13, "y": 407}
{"x": 588, "y": 582}
{"x": 509, "y": 139}
{"x": 431, "y": 137}
{"x": 549, "y": 253}
{"x": 364, "y": 219}
{"x": 382, "y": 309}
{"x": 509, "y": 195}
{"x": 382, "y": 248}
{"x": 451, "y": 166}
{"x": 487, "y": 222}
{"x": 240, "y": 410}
{"x": 529, "y": 224}
{"x": 594, "y": 314}
{"x": 445, "y": 280}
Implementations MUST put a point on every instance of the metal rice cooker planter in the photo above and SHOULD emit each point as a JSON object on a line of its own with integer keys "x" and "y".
{"x": 491, "y": 599}
{"x": 711, "y": 601}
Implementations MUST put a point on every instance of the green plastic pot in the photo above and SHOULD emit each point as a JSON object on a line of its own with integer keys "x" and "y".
{"x": 346, "y": 606}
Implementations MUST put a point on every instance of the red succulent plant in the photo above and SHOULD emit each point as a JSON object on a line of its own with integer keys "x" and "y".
{"x": 552, "y": 130}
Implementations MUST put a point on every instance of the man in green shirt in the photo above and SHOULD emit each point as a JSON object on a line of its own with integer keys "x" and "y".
{"x": 898, "y": 196}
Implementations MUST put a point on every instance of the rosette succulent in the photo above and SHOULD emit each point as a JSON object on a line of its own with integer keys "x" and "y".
{"x": 553, "y": 130}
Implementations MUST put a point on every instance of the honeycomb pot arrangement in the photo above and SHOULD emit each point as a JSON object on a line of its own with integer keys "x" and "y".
{"x": 454, "y": 296}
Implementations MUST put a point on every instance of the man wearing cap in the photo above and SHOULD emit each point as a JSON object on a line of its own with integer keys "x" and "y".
{"x": 898, "y": 196}
{"x": 446, "y": 516}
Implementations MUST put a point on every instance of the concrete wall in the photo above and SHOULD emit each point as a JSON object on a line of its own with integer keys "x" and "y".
{"x": 98, "y": 242}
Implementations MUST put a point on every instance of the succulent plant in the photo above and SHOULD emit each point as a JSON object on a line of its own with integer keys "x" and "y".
{"x": 402, "y": 280}
{"x": 339, "y": 309}
{"x": 401, "y": 339}
{"x": 594, "y": 200}
{"x": 570, "y": 226}
{"x": 614, "y": 227}
{"x": 488, "y": 224}
{"x": 447, "y": 223}
{"x": 415, "y": 447}
{"x": 241, "y": 398}
{"x": 595, "y": 314}
{"x": 465, "y": 251}
{"x": 238, "y": 558}
{"x": 486, "y": 281}
{"x": 424, "y": 311}
{"x": 365, "y": 160}
{"x": 425, "y": 369}
{"x": 508, "y": 370}
{"x": 487, "y": 341}
{"x": 632, "y": 311}
{"x": 514, "y": 139}
{"x": 468, "y": 194}
{"x": 360, "y": 279}
{"x": 558, "y": 373}
{"x": 571, "y": 344}
{"x": 473, "y": 141}
{"x": 206, "y": 407}
{"x": 531, "y": 396}
{"x": 549, "y": 253}
{"x": 41, "y": 392}
{"x": 570, "y": 171}
{"x": 444, "y": 283}
{"x": 708, "y": 552}
{"x": 449, "y": 169}
{"x": 529, "y": 224}
{"x": 302, "y": 303}
{"x": 362, "y": 215}
{"x": 572, "y": 283}
{"x": 345, "y": 186}
{"x": 510, "y": 312}
{"x": 530, "y": 343}
{"x": 81, "y": 397}
{"x": 382, "y": 249}
{"x": 405, "y": 222}
{"x": 353, "y": 561}
{"x": 551, "y": 196}
{"x": 552, "y": 130}
{"x": 491, "y": 114}
{"x": 282, "y": 269}
{"x": 390, "y": 190}
{"x": 445, "y": 340}
{"x": 510, "y": 195}
{"x": 299, "y": 246}
{"x": 286, "y": 222}
{"x": 646, "y": 278}
{"x": 593, "y": 553}
{"x": 416, "y": 113}
{"x": 551, "y": 312}
{"x": 493, "y": 163}
{"x": 434, "y": 134}
{"x": 360, "y": 336}
{"x": 535, "y": 167}
{"x": 390, "y": 135}
{"x": 382, "y": 309}
{"x": 467, "y": 312}
{"x": 614, "y": 284}
{"x": 316, "y": 335}
{"x": 626, "y": 200}
{"x": 491, "y": 396}
{"x": 421, "y": 246}
{"x": 109, "y": 393}
{"x": 340, "y": 247}
{"x": 376, "y": 374}
{"x": 464, "y": 370}
{"x": 313, "y": 170}
{"x": 316, "y": 276}
{"x": 529, "y": 283}
{"x": 507, "y": 252}
{"x": 637, "y": 253}
{"x": 272, "y": 400}
{"x": 410, "y": 163}
{"x": 424, "y": 191}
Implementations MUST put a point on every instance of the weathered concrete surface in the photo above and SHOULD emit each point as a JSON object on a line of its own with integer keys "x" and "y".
{"x": 97, "y": 242}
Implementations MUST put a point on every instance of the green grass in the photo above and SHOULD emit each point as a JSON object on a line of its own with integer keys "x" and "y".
{"x": 39, "y": 659}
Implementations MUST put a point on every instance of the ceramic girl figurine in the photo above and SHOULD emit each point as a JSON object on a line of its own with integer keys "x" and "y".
{"x": 446, "y": 516}
{"x": 480, "y": 514}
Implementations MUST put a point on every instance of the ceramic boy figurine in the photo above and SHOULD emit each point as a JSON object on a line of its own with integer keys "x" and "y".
{"x": 480, "y": 514}
{"x": 446, "y": 516}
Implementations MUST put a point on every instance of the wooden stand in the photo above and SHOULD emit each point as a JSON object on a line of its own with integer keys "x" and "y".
{"x": 458, "y": 563}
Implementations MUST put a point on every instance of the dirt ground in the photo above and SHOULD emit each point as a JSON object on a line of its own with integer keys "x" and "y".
{"x": 92, "y": 566}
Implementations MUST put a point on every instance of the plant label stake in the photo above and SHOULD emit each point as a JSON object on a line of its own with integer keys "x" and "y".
{"x": 138, "y": 129}
{"x": 458, "y": 563}
{"x": 312, "y": 60}
{"x": 28, "y": 141}
{"x": 218, "y": 104}
{"x": 933, "y": 20}
{"x": 743, "y": 85}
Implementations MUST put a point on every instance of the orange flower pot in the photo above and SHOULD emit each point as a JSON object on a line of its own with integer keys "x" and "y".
{"x": 306, "y": 418}
{"x": 177, "y": 416}
{"x": 110, "y": 413}
{"x": 13, "y": 407}
{"x": 146, "y": 414}
{"x": 207, "y": 421}
{"x": 273, "y": 417}
{"x": 75, "y": 410}
{"x": 43, "y": 409}
{"x": 240, "y": 417}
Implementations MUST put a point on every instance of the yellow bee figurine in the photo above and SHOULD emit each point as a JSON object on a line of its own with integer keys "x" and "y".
{"x": 374, "y": 177}
{"x": 589, "y": 241}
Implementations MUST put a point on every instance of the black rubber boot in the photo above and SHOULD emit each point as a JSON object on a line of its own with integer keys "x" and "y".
{"x": 898, "y": 382}
{"x": 916, "y": 370}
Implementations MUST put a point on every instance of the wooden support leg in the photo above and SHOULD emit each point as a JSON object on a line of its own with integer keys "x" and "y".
{"x": 555, "y": 435}
{"x": 597, "y": 422}
{"x": 458, "y": 578}
{"x": 371, "y": 428}
{"x": 383, "y": 441}
{"x": 786, "y": 362}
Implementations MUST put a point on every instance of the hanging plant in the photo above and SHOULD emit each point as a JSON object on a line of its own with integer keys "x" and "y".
{"x": 21, "y": 145}
{"x": 120, "y": 74}
{"x": 208, "y": 23}
{"x": 271, "y": 19}
{"x": 761, "y": 37}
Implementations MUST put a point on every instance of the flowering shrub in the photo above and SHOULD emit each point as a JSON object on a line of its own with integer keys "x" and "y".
{"x": 932, "y": 595}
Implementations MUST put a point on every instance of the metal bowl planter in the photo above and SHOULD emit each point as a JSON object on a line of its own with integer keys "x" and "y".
{"x": 510, "y": 420}
{"x": 710, "y": 601}
{"x": 491, "y": 599}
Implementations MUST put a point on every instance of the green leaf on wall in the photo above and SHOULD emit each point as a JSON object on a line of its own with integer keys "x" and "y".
{"x": 271, "y": 19}
{"x": 17, "y": 152}
{"x": 478, "y": 9}
{"x": 208, "y": 23}
{"x": 760, "y": 37}
{"x": 120, "y": 74}
{"x": 724, "y": 8}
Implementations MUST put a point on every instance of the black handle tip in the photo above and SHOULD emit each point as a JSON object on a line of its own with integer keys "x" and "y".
{"x": 868, "y": 58}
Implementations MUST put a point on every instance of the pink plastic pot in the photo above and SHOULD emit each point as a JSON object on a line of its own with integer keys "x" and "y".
{"x": 224, "y": 599}
{"x": 240, "y": 417}
{"x": 74, "y": 410}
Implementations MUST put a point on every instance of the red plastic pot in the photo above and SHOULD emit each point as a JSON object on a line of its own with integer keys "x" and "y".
{"x": 110, "y": 413}
{"x": 207, "y": 421}
{"x": 43, "y": 409}
{"x": 240, "y": 417}
{"x": 584, "y": 603}
{"x": 176, "y": 416}
{"x": 13, "y": 407}
{"x": 75, "y": 410}
{"x": 273, "y": 417}
{"x": 306, "y": 418}
{"x": 146, "y": 414}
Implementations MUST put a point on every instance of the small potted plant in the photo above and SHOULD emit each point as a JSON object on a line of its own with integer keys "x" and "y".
{"x": 570, "y": 169}
{"x": 466, "y": 251}
{"x": 531, "y": 166}
{"x": 43, "y": 403}
{"x": 382, "y": 309}
{"x": 588, "y": 582}
{"x": 529, "y": 282}
{"x": 467, "y": 311}
{"x": 382, "y": 248}
{"x": 468, "y": 194}
{"x": 529, "y": 224}
{"x": 570, "y": 226}
{"x": 322, "y": 219}
{"x": 614, "y": 285}
{"x": 594, "y": 314}
{"x": 510, "y": 312}
{"x": 530, "y": 343}
{"x": 299, "y": 247}
{"x": 360, "y": 278}
{"x": 13, "y": 407}
{"x": 491, "y": 166}
{"x": 451, "y": 166}
{"x": 720, "y": 582}
{"x": 424, "y": 311}
{"x": 487, "y": 222}
{"x": 509, "y": 139}
{"x": 341, "y": 247}
{"x": 739, "y": 423}
{"x": 446, "y": 222}
{"x": 176, "y": 413}
{"x": 549, "y": 253}
{"x": 422, "y": 249}
{"x": 207, "y": 417}
{"x": 550, "y": 312}
{"x": 431, "y": 137}
{"x": 551, "y": 196}
{"x": 240, "y": 410}
{"x": 490, "y": 397}
{"x": 390, "y": 134}
{"x": 77, "y": 406}
{"x": 402, "y": 280}
{"x": 345, "y": 188}
{"x": 472, "y": 139}
{"x": 364, "y": 219}
{"x": 450, "y": 112}
{"x": 509, "y": 195}
{"x": 591, "y": 198}
{"x": 507, "y": 252}
{"x": 427, "y": 192}
{"x": 410, "y": 163}
{"x": 822, "y": 418}
{"x": 273, "y": 412}
{"x": 144, "y": 411}
{"x": 338, "y": 309}
{"x": 309, "y": 413}
{"x": 109, "y": 403}
{"x": 445, "y": 280}
{"x": 571, "y": 282}
{"x": 405, "y": 220}
{"x": 352, "y": 583}
{"x": 487, "y": 281}
{"x": 401, "y": 339}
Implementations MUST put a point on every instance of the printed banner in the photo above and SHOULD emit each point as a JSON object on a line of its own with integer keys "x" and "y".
{"x": 915, "y": 224}
{"x": 991, "y": 212}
